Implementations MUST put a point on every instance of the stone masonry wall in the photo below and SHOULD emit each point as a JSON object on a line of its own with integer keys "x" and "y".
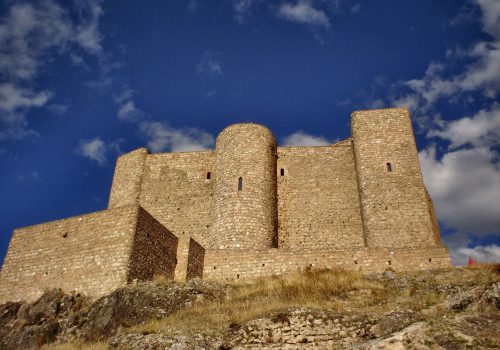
{"x": 435, "y": 224}
{"x": 87, "y": 253}
{"x": 196, "y": 260}
{"x": 154, "y": 250}
{"x": 393, "y": 200}
{"x": 318, "y": 201}
{"x": 237, "y": 264}
{"x": 245, "y": 215}
{"x": 127, "y": 180}
{"x": 177, "y": 193}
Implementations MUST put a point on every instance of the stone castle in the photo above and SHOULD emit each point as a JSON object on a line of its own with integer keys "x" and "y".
{"x": 245, "y": 210}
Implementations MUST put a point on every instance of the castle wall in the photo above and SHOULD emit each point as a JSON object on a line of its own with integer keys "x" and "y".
{"x": 175, "y": 191}
{"x": 238, "y": 264}
{"x": 358, "y": 204}
{"x": 196, "y": 260}
{"x": 245, "y": 207}
{"x": 154, "y": 250}
{"x": 126, "y": 187}
{"x": 394, "y": 206}
{"x": 318, "y": 202}
{"x": 87, "y": 253}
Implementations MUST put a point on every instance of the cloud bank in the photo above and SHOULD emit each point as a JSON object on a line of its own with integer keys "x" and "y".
{"x": 29, "y": 34}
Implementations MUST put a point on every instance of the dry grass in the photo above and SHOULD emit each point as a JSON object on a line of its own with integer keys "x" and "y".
{"x": 250, "y": 300}
{"x": 162, "y": 280}
{"x": 76, "y": 346}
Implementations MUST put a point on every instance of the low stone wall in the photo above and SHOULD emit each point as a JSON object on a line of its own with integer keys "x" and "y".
{"x": 86, "y": 254}
{"x": 228, "y": 265}
{"x": 91, "y": 254}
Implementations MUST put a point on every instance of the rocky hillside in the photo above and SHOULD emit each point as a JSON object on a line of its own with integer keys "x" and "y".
{"x": 447, "y": 309}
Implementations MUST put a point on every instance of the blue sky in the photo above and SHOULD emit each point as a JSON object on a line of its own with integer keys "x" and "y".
{"x": 82, "y": 82}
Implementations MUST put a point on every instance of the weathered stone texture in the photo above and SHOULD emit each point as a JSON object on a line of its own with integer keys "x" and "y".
{"x": 91, "y": 254}
{"x": 238, "y": 264}
{"x": 85, "y": 253}
{"x": 154, "y": 250}
{"x": 359, "y": 204}
{"x": 393, "y": 199}
{"x": 176, "y": 191}
{"x": 318, "y": 202}
{"x": 126, "y": 187}
{"x": 244, "y": 215}
{"x": 196, "y": 260}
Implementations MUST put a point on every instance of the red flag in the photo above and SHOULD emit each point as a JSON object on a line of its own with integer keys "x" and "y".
{"x": 472, "y": 262}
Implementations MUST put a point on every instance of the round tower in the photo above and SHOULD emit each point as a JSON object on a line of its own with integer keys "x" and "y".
{"x": 244, "y": 196}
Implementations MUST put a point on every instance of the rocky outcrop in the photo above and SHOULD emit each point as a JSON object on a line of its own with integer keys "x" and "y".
{"x": 65, "y": 318}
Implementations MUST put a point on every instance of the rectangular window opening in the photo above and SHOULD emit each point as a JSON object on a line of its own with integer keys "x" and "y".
{"x": 389, "y": 262}
{"x": 389, "y": 167}
{"x": 240, "y": 184}
{"x": 208, "y": 175}
{"x": 282, "y": 172}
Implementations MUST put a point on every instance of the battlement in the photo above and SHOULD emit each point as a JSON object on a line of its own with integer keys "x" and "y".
{"x": 246, "y": 209}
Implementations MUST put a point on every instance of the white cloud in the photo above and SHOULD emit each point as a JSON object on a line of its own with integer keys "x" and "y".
{"x": 484, "y": 254}
{"x": 481, "y": 130}
{"x": 303, "y": 12}
{"x": 161, "y": 137}
{"x": 300, "y": 138}
{"x": 87, "y": 32}
{"x": 482, "y": 74}
{"x": 242, "y": 9}
{"x": 355, "y": 8}
{"x": 210, "y": 64}
{"x": 460, "y": 253}
{"x": 490, "y": 10}
{"x": 128, "y": 111}
{"x": 95, "y": 149}
{"x": 14, "y": 102}
{"x": 30, "y": 34}
{"x": 57, "y": 109}
{"x": 465, "y": 188}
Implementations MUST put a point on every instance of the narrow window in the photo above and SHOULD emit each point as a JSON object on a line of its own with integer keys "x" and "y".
{"x": 355, "y": 262}
{"x": 389, "y": 262}
{"x": 240, "y": 184}
{"x": 215, "y": 267}
{"x": 238, "y": 276}
{"x": 282, "y": 172}
{"x": 430, "y": 260}
{"x": 208, "y": 175}
{"x": 389, "y": 167}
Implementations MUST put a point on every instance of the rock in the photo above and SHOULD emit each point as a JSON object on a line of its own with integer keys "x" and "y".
{"x": 393, "y": 321}
{"x": 490, "y": 299}
{"x": 462, "y": 300}
{"x": 133, "y": 341}
{"x": 134, "y": 304}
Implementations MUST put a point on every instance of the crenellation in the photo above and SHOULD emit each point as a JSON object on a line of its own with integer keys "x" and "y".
{"x": 245, "y": 210}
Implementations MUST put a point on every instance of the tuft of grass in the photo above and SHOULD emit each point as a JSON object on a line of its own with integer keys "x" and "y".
{"x": 162, "y": 280}
{"x": 252, "y": 299}
{"x": 75, "y": 346}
